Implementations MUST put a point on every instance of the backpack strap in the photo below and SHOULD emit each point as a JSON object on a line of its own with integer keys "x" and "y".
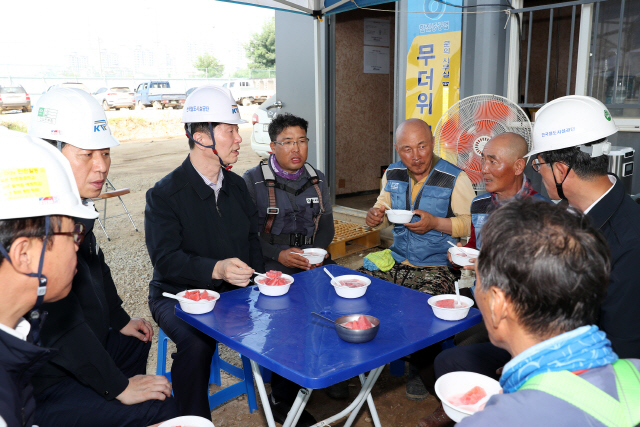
{"x": 270, "y": 182}
{"x": 315, "y": 181}
{"x": 590, "y": 399}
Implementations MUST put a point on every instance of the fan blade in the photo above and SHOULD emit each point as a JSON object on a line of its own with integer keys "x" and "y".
{"x": 473, "y": 169}
{"x": 494, "y": 110}
{"x": 449, "y": 134}
{"x": 465, "y": 142}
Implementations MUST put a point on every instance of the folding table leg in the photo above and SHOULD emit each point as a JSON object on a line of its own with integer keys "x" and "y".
{"x": 128, "y": 214}
{"x": 298, "y": 406}
{"x": 372, "y": 406}
{"x": 355, "y": 406}
{"x": 264, "y": 398}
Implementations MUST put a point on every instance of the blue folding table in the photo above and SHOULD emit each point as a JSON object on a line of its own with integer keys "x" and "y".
{"x": 280, "y": 334}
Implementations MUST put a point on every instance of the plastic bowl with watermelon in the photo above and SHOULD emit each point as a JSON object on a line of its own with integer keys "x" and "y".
{"x": 187, "y": 421}
{"x": 461, "y": 255}
{"x": 465, "y": 393}
{"x": 275, "y": 284}
{"x": 359, "y": 327}
{"x": 201, "y": 300}
{"x": 444, "y": 307}
{"x": 351, "y": 285}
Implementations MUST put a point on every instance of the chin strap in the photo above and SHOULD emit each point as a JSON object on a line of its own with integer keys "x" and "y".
{"x": 559, "y": 185}
{"x": 36, "y": 317}
{"x": 187, "y": 128}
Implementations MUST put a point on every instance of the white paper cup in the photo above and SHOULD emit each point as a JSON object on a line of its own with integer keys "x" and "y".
{"x": 399, "y": 216}
{"x": 456, "y": 383}
{"x": 314, "y": 255}
{"x": 463, "y": 260}
{"x": 198, "y": 307}
{"x": 450, "y": 313}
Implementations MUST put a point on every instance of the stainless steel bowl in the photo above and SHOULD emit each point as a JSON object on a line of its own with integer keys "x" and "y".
{"x": 357, "y": 336}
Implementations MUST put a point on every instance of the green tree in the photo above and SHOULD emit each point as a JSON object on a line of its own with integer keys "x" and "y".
{"x": 209, "y": 65}
{"x": 261, "y": 49}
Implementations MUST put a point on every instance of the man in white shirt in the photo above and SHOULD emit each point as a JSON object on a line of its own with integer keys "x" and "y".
{"x": 38, "y": 244}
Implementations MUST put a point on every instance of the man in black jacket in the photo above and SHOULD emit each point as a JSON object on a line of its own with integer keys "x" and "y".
{"x": 202, "y": 233}
{"x": 38, "y": 244}
{"x": 98, "y": 376}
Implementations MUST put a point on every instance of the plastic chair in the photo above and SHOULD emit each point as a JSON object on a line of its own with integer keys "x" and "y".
{"x": 108, "y": 195}
{"x": 244, "y": 386}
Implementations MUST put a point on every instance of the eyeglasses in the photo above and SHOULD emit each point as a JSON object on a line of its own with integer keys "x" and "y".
{"x": 288, "y": 143}
{"x": 77, "y": 233}
{"x": 535, "y": 164}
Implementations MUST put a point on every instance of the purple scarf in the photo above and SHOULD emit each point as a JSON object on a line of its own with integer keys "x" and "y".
{"x": 523, "y": 193}
{"x": 282, "y": 173}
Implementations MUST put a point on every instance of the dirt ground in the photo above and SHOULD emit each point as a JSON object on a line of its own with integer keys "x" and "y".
{"x": 137, "y": 166}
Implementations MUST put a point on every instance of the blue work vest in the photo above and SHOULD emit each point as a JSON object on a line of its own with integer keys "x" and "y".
{"x": 481, "y": 208}
{"x": 431, "y": 247}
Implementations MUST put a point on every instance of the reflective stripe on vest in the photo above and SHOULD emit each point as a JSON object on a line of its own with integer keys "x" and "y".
{"x": 590, "y": 399}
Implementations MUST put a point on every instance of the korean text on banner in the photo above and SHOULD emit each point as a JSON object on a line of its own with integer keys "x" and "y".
{"x": 433, "y": 59}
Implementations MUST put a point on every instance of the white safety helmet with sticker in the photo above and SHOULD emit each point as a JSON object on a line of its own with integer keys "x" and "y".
{"x": 211, "y": 104}
{"x": 71, "y": 116}
{"x": 36, "y": 180}
{"x": 572, "y": 121}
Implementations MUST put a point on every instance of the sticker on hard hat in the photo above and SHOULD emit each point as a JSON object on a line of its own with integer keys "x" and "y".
{"x": 99, "y": 125}
{"x": 193, "y": 109}
{"x": 55, "y": 132}
{"x": 234, "y": 109}
{"x": 48, "y": 200}
{"x": 23, "y": 183}
{"x": 607, "y": 115}
{"x": 47, "y": 115}
{"x": 558, "y": 132}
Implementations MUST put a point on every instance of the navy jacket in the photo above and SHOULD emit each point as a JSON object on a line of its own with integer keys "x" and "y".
{"x": 78, "y": 326}
{"x": 188, "y": 231}
{"x": 18, "y": 362}
{"x": 617, "y": 216}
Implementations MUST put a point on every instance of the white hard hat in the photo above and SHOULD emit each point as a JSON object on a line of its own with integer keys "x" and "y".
{"x": 572, "y": 121}
{"x": 211, "y": 104}
{"x": 36, "y": 180}
{"x": 72, "y": 116}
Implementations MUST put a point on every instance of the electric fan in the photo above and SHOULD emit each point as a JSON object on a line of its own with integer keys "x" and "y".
{"x": 465, "y": 128}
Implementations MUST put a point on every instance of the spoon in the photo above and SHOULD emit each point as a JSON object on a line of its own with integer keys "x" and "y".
{"x": 259, "y": 275}
{"x": 459, "y": 249}
{"x": 330, "y": 275}
{"x": 387, "y": 206}
{"x": 457, "y": 303}
{"x": 168, "y": 295}
{"x": 327, "y": 319}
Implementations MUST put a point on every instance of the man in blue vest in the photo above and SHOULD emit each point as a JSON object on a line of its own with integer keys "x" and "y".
{"x": 440, "y": 196}
{"x": 293, "y": 201}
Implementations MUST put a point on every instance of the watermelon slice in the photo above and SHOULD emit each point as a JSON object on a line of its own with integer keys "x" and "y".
{"x": 199, "y": 296}
{"x": 361, "y": 323}
{"x": 273, "y": 273}
{"x": 352, "y": 283}
{"x": 469, "y": 398}
{"x": 449, "y": 303}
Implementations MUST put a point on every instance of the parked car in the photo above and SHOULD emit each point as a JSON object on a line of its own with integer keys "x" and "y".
{"x": 80, "y": 86}
{"x": 260, "y": 140}
{"x": 115, "y": 97}
{"x": 14, "y": 98}
{"x": 245, "y": 92}
{"x": 158, "y": 94}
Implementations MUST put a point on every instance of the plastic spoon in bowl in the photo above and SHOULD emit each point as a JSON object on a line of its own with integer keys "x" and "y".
{"x": 387, "y": 206}
{"x": 459, "y": 249}
{"x": 327, "y": 319}
{"x": 457, "y": 303}
{"x": 330, "y": 275}
{"x": 168, "y": 295}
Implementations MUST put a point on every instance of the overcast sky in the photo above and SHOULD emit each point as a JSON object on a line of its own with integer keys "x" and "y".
{"x": 43, "y": 32}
